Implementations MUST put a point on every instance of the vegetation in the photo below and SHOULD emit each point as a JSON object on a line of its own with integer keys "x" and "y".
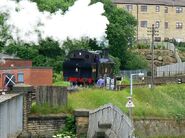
{"x": 163, "y": 101}
{"x": 69, "y": 130}
{"x": 53, "y": 5}
{"x": 169, "y": 137}
{"x": 121, "y": 30}
{"x": 46, "y": 109}
{"x": 120, "y": 34}
{"x": 58, "y": 80}
{"x": 135, "y": 61}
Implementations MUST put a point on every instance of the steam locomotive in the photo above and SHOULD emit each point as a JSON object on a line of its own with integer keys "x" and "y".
{"x": 85, "y": 67}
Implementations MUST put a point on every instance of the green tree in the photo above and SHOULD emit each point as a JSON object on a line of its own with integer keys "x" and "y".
{"x": 71, "y": 45}
{"x": 48, "y": 53}
{"x": 53, "y": 5}
{"x": 4, "y": 37}
{"x": 121, "y": 30}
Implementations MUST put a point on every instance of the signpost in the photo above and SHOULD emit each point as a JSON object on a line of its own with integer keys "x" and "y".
{"x": 130, "y": 105}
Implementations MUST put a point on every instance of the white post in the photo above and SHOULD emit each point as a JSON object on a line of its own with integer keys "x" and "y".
{"x": 131, "y": 84}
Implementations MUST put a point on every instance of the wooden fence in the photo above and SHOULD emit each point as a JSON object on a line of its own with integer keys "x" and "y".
{"x": 51, "y": 95}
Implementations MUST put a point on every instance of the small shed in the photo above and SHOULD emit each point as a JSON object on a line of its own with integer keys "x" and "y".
{"x": 36, "y": 76}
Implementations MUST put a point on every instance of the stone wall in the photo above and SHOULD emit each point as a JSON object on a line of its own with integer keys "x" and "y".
{"x": 45, "y": 125}
{"x": 143, "y": 127}
{"x": 82, "y": 122}
{"x": 159, "y": 127}
{"x": 165, "y": 80}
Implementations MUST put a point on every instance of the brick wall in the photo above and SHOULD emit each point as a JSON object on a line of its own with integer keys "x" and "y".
{"x": 82, "y": 122}
{"x": 45, "y": 125}
{"x": 41, "y": 76}
{"x": 16, "y": 63}
{"x": 32, "y": 76}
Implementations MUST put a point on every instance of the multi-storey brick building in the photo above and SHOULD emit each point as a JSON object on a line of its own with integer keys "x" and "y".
{"x": 168, "y": 16}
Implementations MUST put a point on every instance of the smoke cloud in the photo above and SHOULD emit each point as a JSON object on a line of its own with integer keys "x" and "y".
{"x": 28, "y": 25}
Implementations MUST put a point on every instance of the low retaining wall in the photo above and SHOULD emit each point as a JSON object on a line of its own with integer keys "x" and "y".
{"x": 143, "y": 127}
{"x": 159, "y": 127}
{"x": 165, "y": 80}
{"x": 45, "y": 125}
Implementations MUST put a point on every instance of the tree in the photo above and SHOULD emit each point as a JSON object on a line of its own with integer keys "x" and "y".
{"x": 4, "y": 37}
{"x": 53, "y": 5}
{"x": 48, "y": 53}
{"x": 121, "y": 30}
{"x": 70, "y": 45}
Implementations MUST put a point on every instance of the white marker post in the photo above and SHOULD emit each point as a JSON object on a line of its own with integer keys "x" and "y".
{"x": 130, "y": 105}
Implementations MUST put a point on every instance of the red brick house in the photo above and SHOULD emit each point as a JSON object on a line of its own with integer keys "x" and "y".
{"x": 14, "y": 70}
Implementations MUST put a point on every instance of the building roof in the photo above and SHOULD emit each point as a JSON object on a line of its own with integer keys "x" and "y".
{"x": 152, "y": 2}
{"x": 6, "y": 56}
{"x": 7, "y": 97}
{"x": 15, "y": 68}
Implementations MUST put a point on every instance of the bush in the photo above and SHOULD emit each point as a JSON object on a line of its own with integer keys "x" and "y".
{"x": 142, "y": 46}
{"x": 116, "y": 68}
{"x": 135, "y": 61}
{"x": 69, "y": 130}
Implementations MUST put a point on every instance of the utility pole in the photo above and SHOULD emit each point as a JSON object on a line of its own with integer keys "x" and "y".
{"x": 153, "y": 32}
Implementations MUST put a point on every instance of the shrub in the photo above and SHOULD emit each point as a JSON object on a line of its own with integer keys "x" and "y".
{"x": 69, "y": 130}
{"x": 142, "y": 46}
{"x": 135, "y": 61}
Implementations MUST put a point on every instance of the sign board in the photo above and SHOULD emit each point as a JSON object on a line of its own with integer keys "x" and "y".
{"x": 130, "y": 104}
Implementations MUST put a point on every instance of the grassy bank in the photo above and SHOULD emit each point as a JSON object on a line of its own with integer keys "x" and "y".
{"x": 163, "y": 101}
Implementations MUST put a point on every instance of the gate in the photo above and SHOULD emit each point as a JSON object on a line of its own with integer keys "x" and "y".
{"x": 9, "y": 80}
{"x": 108, "y": 121}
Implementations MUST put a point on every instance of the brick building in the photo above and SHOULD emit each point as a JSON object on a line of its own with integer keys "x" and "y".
{"x": 168, "y": 16}
{"x": 14, "y": 70}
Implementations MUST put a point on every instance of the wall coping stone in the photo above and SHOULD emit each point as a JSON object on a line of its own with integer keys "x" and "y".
{"x": 156, "y": 118}
{"x": 81, "y": 112}
{"x": 46, "y": 117}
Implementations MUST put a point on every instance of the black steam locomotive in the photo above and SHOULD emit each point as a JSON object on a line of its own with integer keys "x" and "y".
{"x": 85, "y": 67}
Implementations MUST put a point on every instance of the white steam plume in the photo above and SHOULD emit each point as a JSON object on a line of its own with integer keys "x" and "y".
{"x": 27, "y": 24}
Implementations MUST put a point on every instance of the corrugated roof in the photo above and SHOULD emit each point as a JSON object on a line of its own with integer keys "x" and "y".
{"x": 6, "y": 56}
{"x": 153, "y": 2}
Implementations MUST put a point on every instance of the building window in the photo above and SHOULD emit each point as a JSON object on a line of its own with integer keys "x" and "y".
{"x": 157, "y": 8}
{"x": 179, "y": 25}
{"x": 166, "y": 25}
{"x": 157, "y": 24}
{"x": 144, "y": 24}
{"x": 166, "y": 9}
{"x": 20, "y": 77}
{"x": 179, "y": 9}
{"x": 143, "y": 8}
{"x": 129, "y": 7}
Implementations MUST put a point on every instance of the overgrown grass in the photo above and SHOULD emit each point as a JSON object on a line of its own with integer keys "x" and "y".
{"x": 169, "y": 137}
{"x": 163, "y": 101}
{"x": 46, "y": 109}
{"x": 61, "y": 83}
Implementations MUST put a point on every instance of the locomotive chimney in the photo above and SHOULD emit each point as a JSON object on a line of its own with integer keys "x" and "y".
{"x": 105, "y": 52}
